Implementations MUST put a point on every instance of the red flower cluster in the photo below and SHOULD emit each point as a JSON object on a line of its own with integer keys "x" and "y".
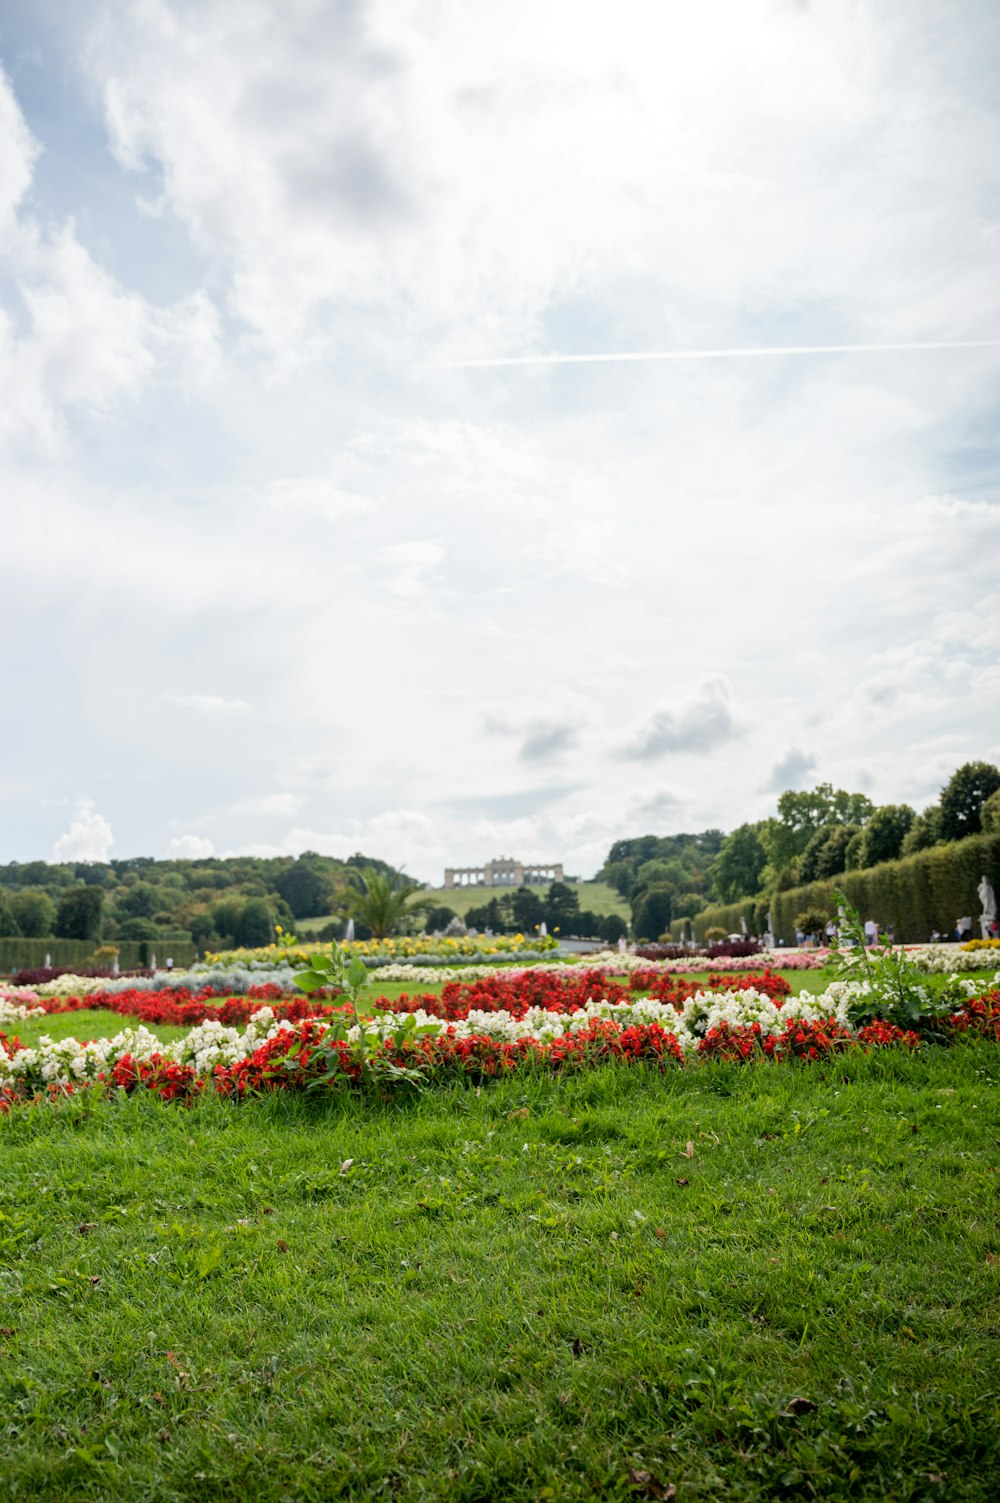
{"x": 171, "y": 1081}
{"x": 676, "y": 990}
{"x": 979, "y": 1015}
{"x": 515, "y": 993}
{"x": 182, "y": 1008}
{"x": 881, "y": 1035}
{"x": 10, "y": 1045}
{"x": 801, "y": 1040}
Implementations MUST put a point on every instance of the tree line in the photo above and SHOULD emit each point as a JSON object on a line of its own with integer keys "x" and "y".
{"x": 812, "y": 836}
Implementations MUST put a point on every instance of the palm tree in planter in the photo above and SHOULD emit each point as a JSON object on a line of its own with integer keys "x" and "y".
{"x": 382, "y": 900}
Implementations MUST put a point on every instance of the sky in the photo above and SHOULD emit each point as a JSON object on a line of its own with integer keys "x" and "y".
{"x": 287, "y": 563}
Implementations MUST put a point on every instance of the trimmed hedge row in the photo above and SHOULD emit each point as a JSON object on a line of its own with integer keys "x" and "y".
{"x": 727, "y": 916}
{"x": 916, "y": 896}
{"x": 29, "y": 954}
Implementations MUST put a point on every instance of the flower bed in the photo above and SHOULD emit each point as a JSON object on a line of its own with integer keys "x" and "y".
{"x": 542, "y": 1019}
{"x": 399, "y": 947}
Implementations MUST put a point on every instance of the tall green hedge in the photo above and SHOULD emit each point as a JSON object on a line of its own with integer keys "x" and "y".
{"x": 727, "y": 916}
{"x": 29, "y": 954}
{"x": 916, "y": 896}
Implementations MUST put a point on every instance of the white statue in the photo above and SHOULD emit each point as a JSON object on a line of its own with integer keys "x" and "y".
{"x": 769, "y": 933}
{"x": 988, "y": 898}
{"x": 743, "y": 926}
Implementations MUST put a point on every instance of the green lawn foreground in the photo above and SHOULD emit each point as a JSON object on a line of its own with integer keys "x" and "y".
{"x": 757, "y": 1283}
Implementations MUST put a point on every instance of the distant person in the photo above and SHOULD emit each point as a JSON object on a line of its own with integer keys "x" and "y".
{"x": 831, "y": 934}
{"x": 871, "y": 932}
{"x": 964, "y": 927}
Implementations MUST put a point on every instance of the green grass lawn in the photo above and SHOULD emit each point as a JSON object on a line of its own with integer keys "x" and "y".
{"x": 745, "y": 1284}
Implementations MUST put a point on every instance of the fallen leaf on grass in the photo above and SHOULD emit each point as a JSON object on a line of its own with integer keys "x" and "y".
{"x": 346, "y": 1165}
{"x": 992, "y": 1257}
{"x": 682, "y": 1181}
{"x": 801, "y": 1406}
{"x": 660, "y": 1232}
{"x": 94, "y": 1280}
{"x": 689, "y": 1150}
{"x": 578, "y": 1347}
{"x": 282, "y": 1245}
{"x": 521, "y": 1113}
{"x": 650, "y": 1487}
{"x": 85, "y": 1227}
{"x": 7, "y": 1331}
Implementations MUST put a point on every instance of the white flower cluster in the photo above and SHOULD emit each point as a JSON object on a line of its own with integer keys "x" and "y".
{"x": 945, "y": 960}
{"x": 71, "y": 986}
{"x": 15, "y": 1009}
{"x": 702, "y": 1012}
{"x": 67, "y": 1061}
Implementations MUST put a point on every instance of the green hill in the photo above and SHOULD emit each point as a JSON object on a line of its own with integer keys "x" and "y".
{"x": 597, "y": 897}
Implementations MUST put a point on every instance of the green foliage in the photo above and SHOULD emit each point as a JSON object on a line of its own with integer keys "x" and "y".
{"x": 306, "y": 888}
{"x": 884, "y": 835}
{"x": 688, "y": 860}
{"x": 924, "y": 832}
{"x": 79, "y": 913}
{"x": 138, "y": 928}
{"x": 438, "y": 917}
{"x": 895, "y": 990}
{"x": 612, "y": 927}
{"x": 34, "y": 911}
{"x": 138, "y": 901}
{"x": 963, "y": 797}
{"x": 737, "y": 868}
{"x": 652, "y": 913}
{"x": 990, "y": 814}
{"x": 373, "y": 1025}
{"x": 811, "y": 921}
{"x": 825, "y": 854}
{"x": 562, "y": 907}
{"x": 381, "y": 900}
{"x": 9, "y": 925}
{"x": 256, "y": 925}
{"x": 526, "y": 909}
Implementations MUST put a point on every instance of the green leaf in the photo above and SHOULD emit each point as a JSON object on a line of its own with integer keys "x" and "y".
{"x": 209, "y": 1261}
{"x": 308, "y": 981}
{"x": 357, "y": 973}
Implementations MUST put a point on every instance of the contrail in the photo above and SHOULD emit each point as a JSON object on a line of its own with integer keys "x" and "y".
{"x": 755, "y": 352}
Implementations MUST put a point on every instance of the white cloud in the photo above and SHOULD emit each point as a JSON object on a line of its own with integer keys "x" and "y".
{"x": 270, "y": 803}
{"x": 698, "y": 723}
{"x": 211, "y": 704}
{"x": 232, "y": 468}
{"x": 89, "y": 837}
{"x": 190, "y": 848}
{"x": 410, "y": 566}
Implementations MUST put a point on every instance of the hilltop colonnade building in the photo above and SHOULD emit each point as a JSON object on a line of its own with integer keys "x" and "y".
{"x": 504, "y": 871}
